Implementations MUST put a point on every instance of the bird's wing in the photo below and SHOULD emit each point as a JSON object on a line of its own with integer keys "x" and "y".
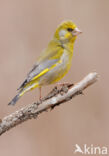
{"x": 41, "y": 69}
{"x": 38, "y": 70}
{"x": 46, "y": 61}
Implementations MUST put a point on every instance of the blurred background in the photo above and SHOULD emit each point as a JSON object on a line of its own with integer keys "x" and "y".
{"x": 26, "y": 27}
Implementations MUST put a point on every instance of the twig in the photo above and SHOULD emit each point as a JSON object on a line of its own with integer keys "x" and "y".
{"x": 54, "y": 98}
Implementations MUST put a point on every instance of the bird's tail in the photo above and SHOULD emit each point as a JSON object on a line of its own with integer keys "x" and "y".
{"x": 21, "y": 93}
{"x": 14, "y": 100}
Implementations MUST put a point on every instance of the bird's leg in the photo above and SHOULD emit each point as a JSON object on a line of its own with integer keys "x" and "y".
{"x": 64, "y": 87}
{"x": 40, "y": 94}
{"x": 64, "y": 83}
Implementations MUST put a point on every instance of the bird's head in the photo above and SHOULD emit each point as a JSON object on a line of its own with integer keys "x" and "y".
{"x": 67, "y": 32}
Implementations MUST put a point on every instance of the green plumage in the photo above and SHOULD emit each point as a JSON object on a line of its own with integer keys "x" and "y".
{"x": 53, "y": 63}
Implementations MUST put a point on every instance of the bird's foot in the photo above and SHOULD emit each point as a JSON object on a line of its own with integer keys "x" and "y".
{"x": 64, "y": 87}
{"x": 65, "y": 83}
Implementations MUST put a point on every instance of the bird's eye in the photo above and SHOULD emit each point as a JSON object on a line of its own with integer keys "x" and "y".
{"x": 70, "y": 29}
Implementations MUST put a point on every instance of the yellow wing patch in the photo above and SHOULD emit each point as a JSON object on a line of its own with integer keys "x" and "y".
{"x": 34, "y": 85}
{"x": 42, "y": 73}
{"x": 45, "y": 70}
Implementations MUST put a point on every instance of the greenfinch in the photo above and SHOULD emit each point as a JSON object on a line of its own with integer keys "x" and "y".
{"x": 54, "y": 62}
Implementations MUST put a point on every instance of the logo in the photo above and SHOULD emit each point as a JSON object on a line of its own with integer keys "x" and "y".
{"x": 93, "y": 150}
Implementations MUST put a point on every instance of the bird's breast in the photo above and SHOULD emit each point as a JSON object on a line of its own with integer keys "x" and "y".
{"x": 65, "y": 57}
{"x": 59, "y": 71}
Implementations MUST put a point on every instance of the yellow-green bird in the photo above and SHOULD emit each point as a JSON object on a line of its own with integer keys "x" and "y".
{"x": 54, "y": 62}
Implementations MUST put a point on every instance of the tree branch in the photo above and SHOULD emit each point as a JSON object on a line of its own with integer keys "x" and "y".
{"x": 54, "y": 98}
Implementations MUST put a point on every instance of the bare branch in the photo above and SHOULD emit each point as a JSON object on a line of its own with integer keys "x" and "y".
{"x": 54, "y": 98}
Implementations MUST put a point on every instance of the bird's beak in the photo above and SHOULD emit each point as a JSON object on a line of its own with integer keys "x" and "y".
{"x": 76, "y": 32}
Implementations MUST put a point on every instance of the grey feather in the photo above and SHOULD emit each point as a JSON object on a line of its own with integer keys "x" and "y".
{"x": 37, "y": 69}
{"x": 14, "y": 100}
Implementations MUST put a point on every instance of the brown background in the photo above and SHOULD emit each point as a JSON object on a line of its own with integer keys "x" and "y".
{"x": 25, "y": 29}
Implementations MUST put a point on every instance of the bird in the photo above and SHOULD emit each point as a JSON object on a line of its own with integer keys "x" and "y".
{"x": 54, "y": 62}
